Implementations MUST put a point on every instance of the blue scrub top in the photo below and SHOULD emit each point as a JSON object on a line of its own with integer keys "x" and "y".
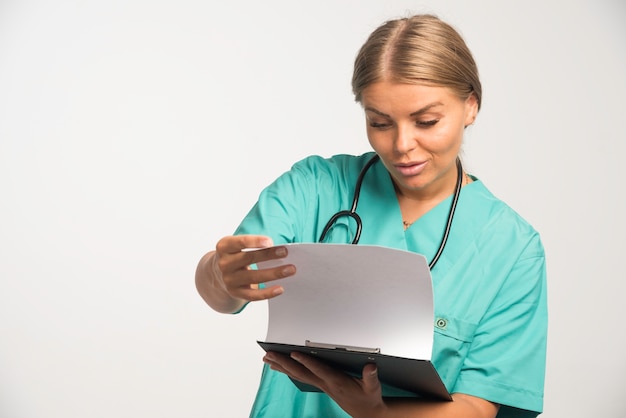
{"x": 489, "y": 285}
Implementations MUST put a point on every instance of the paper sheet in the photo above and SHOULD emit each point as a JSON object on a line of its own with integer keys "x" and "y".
{"x": 354, "y": 295}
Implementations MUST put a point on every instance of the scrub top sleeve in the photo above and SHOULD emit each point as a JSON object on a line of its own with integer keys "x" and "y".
{"x": 283, "y": 207}
{"x": 507, "y": 358}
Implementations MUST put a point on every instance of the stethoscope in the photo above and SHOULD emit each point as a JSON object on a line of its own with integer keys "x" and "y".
{"x": 359, "y": 225}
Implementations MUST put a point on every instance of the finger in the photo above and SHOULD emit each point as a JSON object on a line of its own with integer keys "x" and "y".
{"x": 317, "y": 367}
{"x": 236, "y": 243}
{"x": 233, "y": 262}
{"x": 254, "y": 294}
{"x": 331, "y": 378}
{"x": 240, "y": 260}
{"x": 244, "y": 283}
{"x": 275, "y": 362}
{"x": 371, "y": 383}
{"x": 237, "y": 273}
{"x": 245, "y": 275}
{"x": 253, "y": 256}
{"x": 326, "y": 376}
{"x": 295, "y": 370}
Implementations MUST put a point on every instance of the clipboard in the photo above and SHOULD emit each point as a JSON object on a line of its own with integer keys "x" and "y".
{"x": 349, "y": 305}
{"x": 400, "y": 377}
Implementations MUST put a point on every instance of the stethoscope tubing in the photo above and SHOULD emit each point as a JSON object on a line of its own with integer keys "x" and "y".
{"x": 355, "y": 201}
{"x": 455, "y": 200}
{"x": 359, "y": 224}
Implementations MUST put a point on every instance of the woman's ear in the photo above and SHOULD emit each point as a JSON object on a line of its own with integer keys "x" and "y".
{"x": 471, "y": 109}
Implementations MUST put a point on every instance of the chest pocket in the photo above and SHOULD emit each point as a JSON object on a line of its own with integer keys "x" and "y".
{"x": 453, "y": 338}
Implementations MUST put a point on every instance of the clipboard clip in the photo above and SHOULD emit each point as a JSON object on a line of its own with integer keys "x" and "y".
{"x": 309, "y": 343}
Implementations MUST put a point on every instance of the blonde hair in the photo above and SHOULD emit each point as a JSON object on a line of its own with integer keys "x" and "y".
{"x": 421, "y": 49}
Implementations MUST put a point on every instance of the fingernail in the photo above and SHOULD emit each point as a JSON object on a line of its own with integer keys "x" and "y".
{"x": 373, "y": 372}
{"x": 278, "y": 291}
{"x": 296, "y": 356}
{"x": 281, "y": 251}
{"x": 289, "y": 270}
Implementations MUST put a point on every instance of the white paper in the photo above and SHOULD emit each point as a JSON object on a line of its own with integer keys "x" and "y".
{"x": 354, "y": 295}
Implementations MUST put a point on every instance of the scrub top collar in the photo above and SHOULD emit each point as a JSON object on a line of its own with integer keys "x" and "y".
{"x": 381, "y": 215}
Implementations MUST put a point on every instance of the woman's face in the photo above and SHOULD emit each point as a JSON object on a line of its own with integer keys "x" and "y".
{"x": 417, "y": 131}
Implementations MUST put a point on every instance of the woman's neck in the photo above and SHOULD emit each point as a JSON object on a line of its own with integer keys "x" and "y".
{"x": 415, "y": 205}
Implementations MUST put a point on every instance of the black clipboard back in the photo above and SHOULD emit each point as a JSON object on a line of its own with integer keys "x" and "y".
{"x": 399, "y": 376}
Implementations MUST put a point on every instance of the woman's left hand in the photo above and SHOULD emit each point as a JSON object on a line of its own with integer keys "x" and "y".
{"x": 358, "y": 397}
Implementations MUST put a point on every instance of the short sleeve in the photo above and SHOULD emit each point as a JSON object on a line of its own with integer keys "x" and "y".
{"x": 506, "y": 360}
{"x": 283, "y": 207}
{"x": 297, "y": 205}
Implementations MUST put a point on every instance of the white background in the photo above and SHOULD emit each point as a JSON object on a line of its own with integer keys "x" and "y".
{"x": 135, "y": 133}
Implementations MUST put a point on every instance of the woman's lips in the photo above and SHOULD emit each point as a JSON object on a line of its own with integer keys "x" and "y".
{"x": 410, "y": 169}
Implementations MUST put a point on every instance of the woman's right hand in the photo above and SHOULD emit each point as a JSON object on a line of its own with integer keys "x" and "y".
{"x": 232, "y": 262}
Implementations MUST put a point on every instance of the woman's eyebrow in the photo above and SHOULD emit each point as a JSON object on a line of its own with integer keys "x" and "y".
{"x": 416, "y": 113}
{"x": 426, "y": 108}
{"x": 378, "y": 112}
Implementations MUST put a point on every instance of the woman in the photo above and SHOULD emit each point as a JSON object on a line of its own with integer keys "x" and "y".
{"x": 419, "y": 88}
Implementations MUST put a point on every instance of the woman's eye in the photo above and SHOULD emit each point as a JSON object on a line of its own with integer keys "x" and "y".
{"x": 426, "y": 123}
{"x": 378, "y": 125}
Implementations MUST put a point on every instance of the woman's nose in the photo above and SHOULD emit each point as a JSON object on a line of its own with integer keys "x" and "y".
{"x": 405, "y": 140}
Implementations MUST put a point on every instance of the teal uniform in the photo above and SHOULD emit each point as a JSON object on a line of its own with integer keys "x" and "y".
{"x": 489, "y": 284}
